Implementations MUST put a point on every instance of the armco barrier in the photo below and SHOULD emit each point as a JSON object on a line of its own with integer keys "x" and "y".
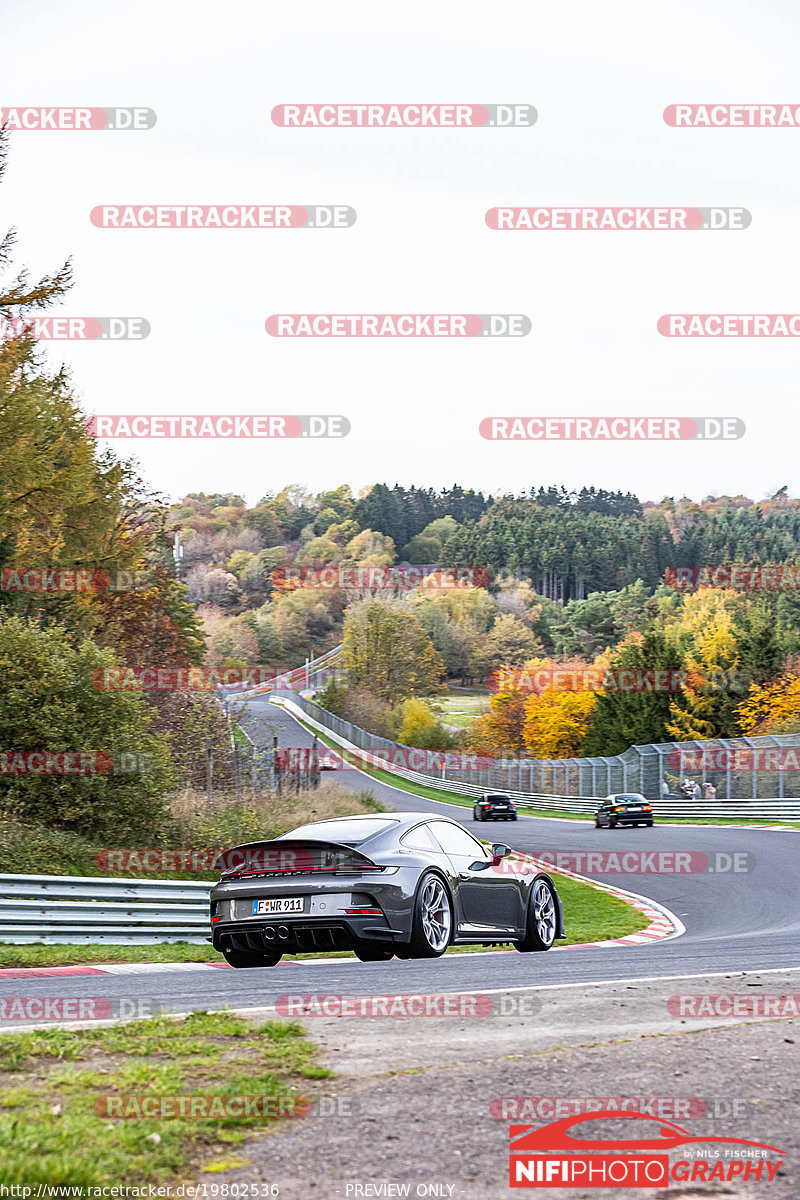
{"x": 85, "y": 911}
{"x": 324, "y": 665}
{"x": 772, "y": 809}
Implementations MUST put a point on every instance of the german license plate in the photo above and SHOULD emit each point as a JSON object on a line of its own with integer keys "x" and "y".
{"x": 278, "y": 904}
{"x": 639, "y": 809}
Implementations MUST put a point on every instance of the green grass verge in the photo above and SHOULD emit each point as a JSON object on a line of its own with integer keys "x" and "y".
{"x": 38, "y": 955}
{"x": 50, "y": 1132}
{"x": 593, "y": 916}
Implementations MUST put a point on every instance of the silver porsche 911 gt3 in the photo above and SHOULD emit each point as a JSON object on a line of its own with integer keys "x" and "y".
{"x": 394, "y": 884}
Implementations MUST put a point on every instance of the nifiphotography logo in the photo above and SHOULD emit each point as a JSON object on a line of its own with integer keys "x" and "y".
{"x": 631, "y": 1162}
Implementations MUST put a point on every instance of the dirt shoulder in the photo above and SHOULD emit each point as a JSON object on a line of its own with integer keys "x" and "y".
{"x": 420, "y": 1101}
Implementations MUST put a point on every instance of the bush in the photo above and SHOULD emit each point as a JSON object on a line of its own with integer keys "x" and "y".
{"x": 413, "y": 724}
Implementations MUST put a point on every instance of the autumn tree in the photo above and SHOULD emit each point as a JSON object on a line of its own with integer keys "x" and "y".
{"x": 556, "y": 722}
{"x": 388, "y": 653}
{"x": 501, "y": 730}
{"x": 771, "y": 708}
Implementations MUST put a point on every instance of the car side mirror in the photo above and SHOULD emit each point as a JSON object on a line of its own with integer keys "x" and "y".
{"x": 500, "y": 851}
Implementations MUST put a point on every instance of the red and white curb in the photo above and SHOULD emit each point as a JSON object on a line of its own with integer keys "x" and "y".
{"x": 108, "y": 969}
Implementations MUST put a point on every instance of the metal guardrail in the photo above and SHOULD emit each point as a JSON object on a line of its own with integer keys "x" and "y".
{"x": 88, "y": 911}
{"x": 288, "y": 679}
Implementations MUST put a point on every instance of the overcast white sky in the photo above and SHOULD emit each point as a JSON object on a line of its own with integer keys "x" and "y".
{"x": 598, "y": 74}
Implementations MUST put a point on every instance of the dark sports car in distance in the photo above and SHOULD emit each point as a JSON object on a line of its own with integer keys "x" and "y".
{"x": 395, "y": 884}
{"x": 623, "y": 808}
{"x": 494, "y": 806}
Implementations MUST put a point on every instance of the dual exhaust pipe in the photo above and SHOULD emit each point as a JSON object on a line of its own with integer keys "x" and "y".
{"x": 282, "y": 932}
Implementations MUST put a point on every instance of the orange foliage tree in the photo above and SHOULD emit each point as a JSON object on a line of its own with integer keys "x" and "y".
{"x": 772, "y": 707}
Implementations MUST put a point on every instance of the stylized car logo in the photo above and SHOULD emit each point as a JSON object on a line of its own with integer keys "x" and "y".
{"x": 525, "y": 1138}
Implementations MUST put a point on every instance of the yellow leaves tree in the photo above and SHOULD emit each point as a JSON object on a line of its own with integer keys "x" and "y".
{"x": 530, "y": 714}
{"x": 705, "y": 708}
{"x": 772, "y": 707}
{"x": 556, "y": 722}
{"x": 413, "y": 724}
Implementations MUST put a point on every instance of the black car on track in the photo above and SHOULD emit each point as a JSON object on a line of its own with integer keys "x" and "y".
{"x": 623, "y": 808}
{"x": 494, "y": 806}
{"x": 391, "y": 884}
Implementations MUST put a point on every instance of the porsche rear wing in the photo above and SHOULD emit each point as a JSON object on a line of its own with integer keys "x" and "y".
{"x": 291, "y": 856}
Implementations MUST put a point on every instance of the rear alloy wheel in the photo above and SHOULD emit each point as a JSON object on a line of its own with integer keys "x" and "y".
{"x": 612, "y": 822}
{"x": 368, "y": 952}
{"x": 246, "y": 958}
{"x": 540, "y": 932}
{"x": 433, "y": 918}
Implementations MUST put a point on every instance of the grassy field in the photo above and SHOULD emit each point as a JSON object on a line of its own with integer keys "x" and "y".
{"x": 50, "y": 1082}
{"x": 459, "y": 708}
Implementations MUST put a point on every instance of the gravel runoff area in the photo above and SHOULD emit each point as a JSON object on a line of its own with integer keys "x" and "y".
{"x": 413, "y": 1096}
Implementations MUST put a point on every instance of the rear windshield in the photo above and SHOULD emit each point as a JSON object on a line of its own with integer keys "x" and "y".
{"x": 629, "y": 800}
{"x": 349, "y": 832}
{"x": 499, "y": 796}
